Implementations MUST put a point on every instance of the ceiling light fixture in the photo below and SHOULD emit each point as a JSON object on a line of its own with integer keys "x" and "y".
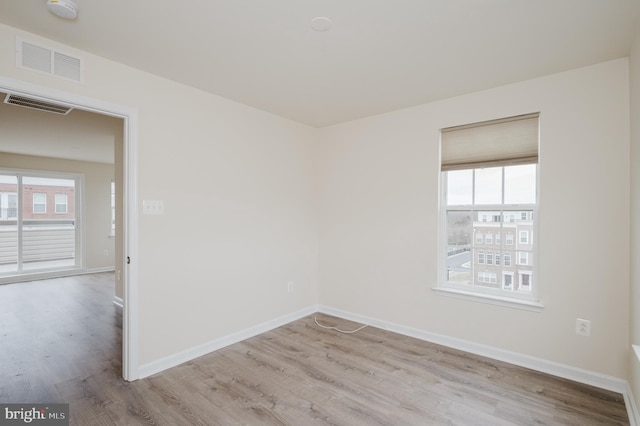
{"x": 321, "y": 23}
{"x": 66, "y": 9}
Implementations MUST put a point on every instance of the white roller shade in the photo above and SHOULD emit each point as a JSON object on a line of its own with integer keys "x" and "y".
{"x": 507, "y": 141}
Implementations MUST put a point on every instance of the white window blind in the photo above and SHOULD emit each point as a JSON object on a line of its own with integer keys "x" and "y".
{"x": 502, "y": 142}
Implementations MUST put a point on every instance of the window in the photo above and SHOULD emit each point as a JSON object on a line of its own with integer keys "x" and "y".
{"x": 61, "y": 203}
{"x": 39, "y": 203}
{"x": 489, "y": 190}
{"x": 113, "y": 209}
{"x": 523, "y": 258}
{"x": 487, "y": 277}
{"x": 509, "y": 239}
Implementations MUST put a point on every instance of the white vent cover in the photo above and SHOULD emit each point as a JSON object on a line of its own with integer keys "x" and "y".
{"x": 36, "y": 104}
{"x": 45, "y": 60}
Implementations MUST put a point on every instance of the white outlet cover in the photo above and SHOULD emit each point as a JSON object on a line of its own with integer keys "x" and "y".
{"x": 583, "y": 327}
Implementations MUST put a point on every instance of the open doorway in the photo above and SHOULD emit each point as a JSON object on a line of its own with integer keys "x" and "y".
{"x": 123, "y": 178}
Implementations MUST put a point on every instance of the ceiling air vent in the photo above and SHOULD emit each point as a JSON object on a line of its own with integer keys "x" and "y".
{"x": 36, "y": 104}
{"x": 36, "y": 57}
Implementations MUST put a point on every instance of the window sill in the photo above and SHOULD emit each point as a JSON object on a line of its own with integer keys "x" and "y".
{"x": 527, "y": 305}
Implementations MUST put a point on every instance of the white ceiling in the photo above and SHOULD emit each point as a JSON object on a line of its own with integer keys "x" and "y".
{"x": 380, "y": 55}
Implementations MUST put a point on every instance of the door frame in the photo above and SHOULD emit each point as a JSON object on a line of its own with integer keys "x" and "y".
{"x": 129, "y": 115}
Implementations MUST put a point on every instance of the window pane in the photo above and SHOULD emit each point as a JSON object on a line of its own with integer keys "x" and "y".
{"x": 520, "y": 184}
{"x": 459, "y": 234}
{"x": 488, "y": 186}
{"x": 459, "y": 187}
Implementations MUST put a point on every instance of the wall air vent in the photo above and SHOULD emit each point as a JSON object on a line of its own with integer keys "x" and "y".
{"x": 36, "y": 104}
{"x": 42, "y": 59}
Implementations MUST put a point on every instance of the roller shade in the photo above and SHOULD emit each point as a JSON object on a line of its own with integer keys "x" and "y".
{"x": 507, "y": 141}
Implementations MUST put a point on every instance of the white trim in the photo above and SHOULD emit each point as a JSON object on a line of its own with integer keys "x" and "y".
{"x": 130, "y": 211}
{"x": 560, "y": 370}
{"x": 632, "y": 408}
{"x": 159, "y": 365}
{"x": 118, "y": 302}
{"x": 508, "y": 298}
{"x": 10, "y": 279}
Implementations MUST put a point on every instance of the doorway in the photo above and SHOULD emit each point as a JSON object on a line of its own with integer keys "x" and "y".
{"x": 126, "y": 166}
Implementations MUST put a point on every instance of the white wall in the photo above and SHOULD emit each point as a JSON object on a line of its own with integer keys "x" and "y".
{"x": 634, "y": 72}
{"x": 239, "y": 199}
{"x": 379, "y": 189}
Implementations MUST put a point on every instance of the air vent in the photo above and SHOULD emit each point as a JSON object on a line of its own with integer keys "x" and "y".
{"x": 36, "y": 104}
{"x": 36, "y": 57}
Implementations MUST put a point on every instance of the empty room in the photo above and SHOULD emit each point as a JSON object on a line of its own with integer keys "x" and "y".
{"x": 347, "y": 213}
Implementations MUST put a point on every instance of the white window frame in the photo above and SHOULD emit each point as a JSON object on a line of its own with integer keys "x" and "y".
{"x": 508, "y": 259}
{"x": 65, "y": 204}
{"x": 44, "y": 194}
{"x": 489, "y": 258}
{"x": 524, "y": 234}
{"x": 526, "y": 300}
{"x": 523, "y": 255}
{"x": 488, "y": 238}
{"x": 509, "y": 239}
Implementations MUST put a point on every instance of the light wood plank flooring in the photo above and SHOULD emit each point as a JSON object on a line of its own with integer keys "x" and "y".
{"x": 60, "y": 342}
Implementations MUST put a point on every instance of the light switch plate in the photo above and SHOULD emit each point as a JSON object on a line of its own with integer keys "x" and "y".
{"x": 152, "y": 207}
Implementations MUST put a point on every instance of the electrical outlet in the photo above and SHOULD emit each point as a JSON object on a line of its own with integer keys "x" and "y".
{"x": 583, "y": 327}
{"x": 290, "y": 287}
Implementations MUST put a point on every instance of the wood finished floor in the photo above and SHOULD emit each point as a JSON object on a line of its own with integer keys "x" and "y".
{"x": 60, "y": 342}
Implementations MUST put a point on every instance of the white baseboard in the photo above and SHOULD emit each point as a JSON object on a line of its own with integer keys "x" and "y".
{"x": 118, "y": 302}
{"x": 60, "y": 273}
{"x": 632, "y": 408}
{"x": 195, "y": 352}
{"x": 572, "y": 373}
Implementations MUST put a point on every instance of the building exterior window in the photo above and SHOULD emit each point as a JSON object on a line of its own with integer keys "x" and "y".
{"x": 39, "y": 203}
{"x": 487, "y": 277}
{"x": 509, "y": 239}
{"x": 489, "y": 191}
{"x": 62, "y": 205}
{"x": 523, "y": 258}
